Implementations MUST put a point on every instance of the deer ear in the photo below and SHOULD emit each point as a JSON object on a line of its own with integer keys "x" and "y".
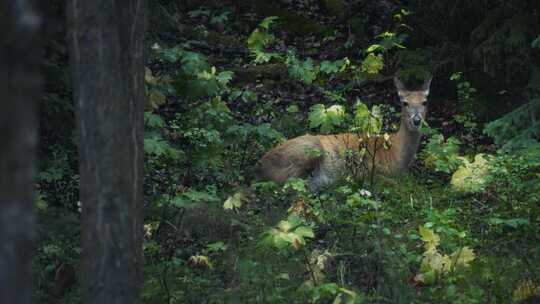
{"x": 399, "y": 86}
{"x": 427, "y": 85}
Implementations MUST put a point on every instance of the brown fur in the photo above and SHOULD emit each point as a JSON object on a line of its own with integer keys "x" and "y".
{"x": 293, "y": 159}
{"x": 290, "y": 159}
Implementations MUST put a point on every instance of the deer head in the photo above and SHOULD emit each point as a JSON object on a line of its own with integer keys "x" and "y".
{"x": 413, "y": 104}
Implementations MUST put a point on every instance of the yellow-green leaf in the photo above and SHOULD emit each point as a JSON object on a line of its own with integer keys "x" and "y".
{"x": 234, "y": 202}
{"x": 471, "y": 177}
{"x": 430, "y": 238}
{"x": 463, "y": 256}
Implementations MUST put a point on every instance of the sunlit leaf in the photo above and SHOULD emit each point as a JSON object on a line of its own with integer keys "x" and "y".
{"x": 430, "y": 238}
{"x": 326, "y": 119}
{"x": 305, "y": 231}
{"x": 471, "y": 177}
{"x": 234, "y": 202}
{"x": 200, "y": 261}
{"x": 463, "y": 256}
{"x": 372, "y": 64}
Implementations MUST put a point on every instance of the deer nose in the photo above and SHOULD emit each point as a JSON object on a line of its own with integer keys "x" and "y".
{"x": 417, "y": 120}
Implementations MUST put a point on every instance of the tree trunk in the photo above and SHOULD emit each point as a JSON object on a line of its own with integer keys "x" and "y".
{"x": 20, "y": 90}
{"x": 106, "y": 50}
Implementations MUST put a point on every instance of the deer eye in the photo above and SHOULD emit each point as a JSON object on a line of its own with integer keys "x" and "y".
{"x": 405, "y": 104}
{"x": 424, "y": 103}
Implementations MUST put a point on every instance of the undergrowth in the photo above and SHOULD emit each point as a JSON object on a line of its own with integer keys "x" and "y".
{"x": 461, "y": 227}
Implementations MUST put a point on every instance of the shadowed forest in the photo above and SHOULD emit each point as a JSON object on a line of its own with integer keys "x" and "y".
{"x": 431, "y": 194}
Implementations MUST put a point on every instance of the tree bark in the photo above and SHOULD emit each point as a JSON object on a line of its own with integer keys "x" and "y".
{"x": 106, "y": 50}
{"x": 20, "y": 88}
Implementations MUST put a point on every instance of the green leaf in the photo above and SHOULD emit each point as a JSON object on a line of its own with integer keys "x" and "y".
{"x": 376, "y": 119}
{"x": 361, "y": 114}
{"x": 297, "y": 184}
{"x": 171, "y": 55}
{"x": 463, "y": 256}
{"x": 267, "y": 22}
{"x": 430, "y": 238}
{"x": 224, "y": 77}
{"x": 156, "y": 146}
{"x": 305, "y": 231}
{"x": 471, "y": 177}
{"x": 259, "y": 39}
{"x": 153, "y": 120}
{"x": 331, "y": 67}
{"x": 194, "y": 63}
{"x": 305, "y": 71}
{"x": 293, "y": 109}
{"x": 192, "y": 197}
{"x": 217, "y": 246}
{"x": 374, "y": 47}
{"x": 368, "y": 121}
{"x": 326, "y": 119}
{"x": 235, "y": 201}
{"x": 373, "y": 64}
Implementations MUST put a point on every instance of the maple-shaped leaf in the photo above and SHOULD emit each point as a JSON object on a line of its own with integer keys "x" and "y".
{"x": 463, "y": 256}
{"x": 224, "y": 77}
{"x": 372, "y": 64}
{"x": 326, "y": 119}
{"x": 366, "y": 120}
{"x": 471, "y": 177}
{"x": 234, "y": 201}
{"x": 430, "y": 238}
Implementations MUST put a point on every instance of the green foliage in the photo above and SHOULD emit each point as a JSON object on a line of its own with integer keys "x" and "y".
{"x": 234, "y": 201}
{"x": 260, "y": 39}
{"x": 267, "y": 22}
{"x": 196, "y": 73}
{"x": 155, "y": 96}
{"x": 366, "y": 121}
{"x": 305, "y": 71}
{"x": 327, "y": 119}
{"x": 190, "y": 198}
{"x": 221, "y": 18}
{"x": 387, "y": 42}
{"x": 358, "y": 241}
{"x": 442, "y": 155}
{"x": 434, "y": 264}
{"x": 333, "y": 67}
{"x": 327, "y": 292}
{"x": 154, "y": 143}
{"x": 471, "y": 177}
{"x": 373, "y": 64}
{"x": 290, "y": 233}
{"x": 465, "y": 94}
{"x": 517, "y": 129}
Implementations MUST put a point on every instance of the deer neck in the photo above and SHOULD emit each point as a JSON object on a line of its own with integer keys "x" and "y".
{"x": 405, "y": 145}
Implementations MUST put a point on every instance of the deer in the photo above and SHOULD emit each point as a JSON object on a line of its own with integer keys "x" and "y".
{"x": 388, "y": 156}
